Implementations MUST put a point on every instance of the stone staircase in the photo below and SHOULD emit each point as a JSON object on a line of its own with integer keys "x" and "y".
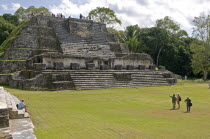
{"x": 62, "y": 33}
{"x": 99, "y": 79}
{"x": 62, "y": 81}
{"x": 11, "y": 101}
{"x": 14, "y": 123}
{"x": 106, "y": 79}
{"x": 60, "y": 28}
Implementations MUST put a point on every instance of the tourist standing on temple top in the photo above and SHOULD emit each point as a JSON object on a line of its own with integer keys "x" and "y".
{"x": 178, "y": 100}
{"x": 80, "y": 16}
{"x": 188, "y": 104}
{"x": 173, "y": 98}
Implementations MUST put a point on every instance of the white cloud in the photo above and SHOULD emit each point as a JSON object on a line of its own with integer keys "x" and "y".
{"x": 141, "y": 12}
{"x": 13, "y": 7}
{"x": 4, "y": 7}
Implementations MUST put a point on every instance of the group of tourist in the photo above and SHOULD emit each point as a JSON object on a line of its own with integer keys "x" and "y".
{"x": 32, "y": 14}
{"x": 60, "y": 15}
{"x": 177, "y": 99}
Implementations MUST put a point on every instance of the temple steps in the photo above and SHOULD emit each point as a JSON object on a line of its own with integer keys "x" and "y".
{"x": 99, "y": 80}
{"x": 11, "y": 102}
{"x": 60, "y": 28}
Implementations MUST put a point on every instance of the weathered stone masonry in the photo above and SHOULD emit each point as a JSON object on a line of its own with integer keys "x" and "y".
{"x": 59, "y": 54}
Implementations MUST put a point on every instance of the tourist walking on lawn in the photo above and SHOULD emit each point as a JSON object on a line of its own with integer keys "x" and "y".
{"x": 188, "y": 104}
{"x": 173, "y": 98}
{"x": 178, "y": 100}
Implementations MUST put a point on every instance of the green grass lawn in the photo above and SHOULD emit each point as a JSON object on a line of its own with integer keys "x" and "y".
{"x": 119, "y": 113}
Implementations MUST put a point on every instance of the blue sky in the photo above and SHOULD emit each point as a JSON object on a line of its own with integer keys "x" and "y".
{"x": 130, "y": 12}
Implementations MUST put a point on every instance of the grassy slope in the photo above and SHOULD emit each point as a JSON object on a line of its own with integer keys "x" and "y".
{"x": 119, "y": 113}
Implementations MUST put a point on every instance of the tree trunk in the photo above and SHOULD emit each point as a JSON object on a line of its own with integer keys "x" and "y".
{"x": 159, "y": 55}
{"x": 205, "y": 74}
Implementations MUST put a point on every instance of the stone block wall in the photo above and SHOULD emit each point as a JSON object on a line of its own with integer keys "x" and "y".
{"x": 9, "y": 66}
{"x": 80, "y": 27}
{"x": 74, "y": 66}
{"x": 4, "y": 79}
{"x": 36, "y": 36}
{"x": 4, "y": 117}
{"x": 90, "y": 66}
{"x": 44, "y": 81}
{"x": 119, "y": 48}
{"x": 132, "y": 59}
{"x": 87, "y": 50}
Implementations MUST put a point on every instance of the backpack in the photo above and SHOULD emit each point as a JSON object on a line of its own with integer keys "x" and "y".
{"x": 180, "y": 99}
{"x": 190, "y": 104}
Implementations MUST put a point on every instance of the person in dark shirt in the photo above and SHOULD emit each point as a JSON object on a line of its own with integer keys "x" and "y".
{"x": 80, "y": 16}
{"x": 188, "y": 103}
{"x": 173, "y": 98}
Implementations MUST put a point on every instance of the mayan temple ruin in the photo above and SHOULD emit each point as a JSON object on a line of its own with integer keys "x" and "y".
{"x": 74, "y": 54}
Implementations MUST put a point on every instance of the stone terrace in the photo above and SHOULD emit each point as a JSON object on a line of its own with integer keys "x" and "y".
{"x": 13, "y": 121}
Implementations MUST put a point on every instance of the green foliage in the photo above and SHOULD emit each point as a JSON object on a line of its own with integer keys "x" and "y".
{"x": 119, "y": 33}
{"x": 168, "y": 24}
{"x": 104, "y": 15}
{"x": 163, "y": 42}
{"x": 133, "y": 45}
{"x": 131, "y": 35}
{"x": 200, "y": 59}
{"x": 153, "y": 40}
{"x": 13, "y": 19}
{"x": 22, "y": 13}
{"x": 5, "y": 29}
{"x": 10, "y": 39}
{"x": 201, "y": 48}
{"x": 126, "y": 113}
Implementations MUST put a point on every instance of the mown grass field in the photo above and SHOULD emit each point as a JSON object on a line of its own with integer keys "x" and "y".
{"x": 119, "y": 113}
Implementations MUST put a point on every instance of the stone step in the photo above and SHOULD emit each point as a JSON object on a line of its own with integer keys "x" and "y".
{"x": 115, "y": 86}
{"x": 94, "y": 80}
{"x": 11, "y": 102}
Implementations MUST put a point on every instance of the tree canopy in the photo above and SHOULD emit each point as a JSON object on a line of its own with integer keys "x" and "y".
{"x": 13, "y": 19}
{"x": 104, "y": 15}
{"x": 5, "y": 29}
{"x": 201, "y": 48}
{"x": 23, "y": 13}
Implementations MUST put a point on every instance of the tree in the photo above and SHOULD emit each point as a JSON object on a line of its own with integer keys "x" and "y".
{"x": 153, "y": 40}
{"x": 104, "y": 15}
{"x": 22, "y": 13}
{"x": 13, "y": 19}
{"x": 173, "y": 32}
{"x": 201, "y": 48}
{"x": 131, "y": 35}
{"x": 5, "y": 29}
